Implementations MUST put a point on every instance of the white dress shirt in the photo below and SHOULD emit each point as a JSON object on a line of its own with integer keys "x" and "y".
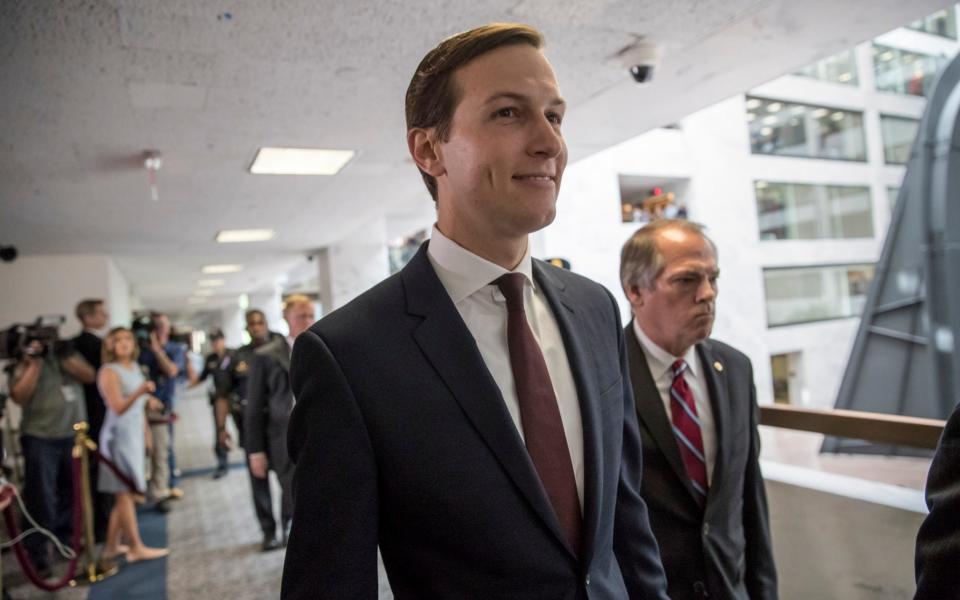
{"x": 660, "y": 361}
{"x": 468, "y": 279}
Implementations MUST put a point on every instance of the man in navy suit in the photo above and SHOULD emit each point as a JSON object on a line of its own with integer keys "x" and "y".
{"x": 472, "y": 415}
{"x": 938, "y": 541}
{"x": 697, "y": 409}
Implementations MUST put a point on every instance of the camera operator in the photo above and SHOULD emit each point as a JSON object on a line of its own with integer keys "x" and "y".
{"x": 164, "y": 360}
{"x": 46, "y": 383}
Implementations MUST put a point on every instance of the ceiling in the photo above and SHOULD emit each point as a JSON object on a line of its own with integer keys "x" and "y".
{"x": 87, "y": 86}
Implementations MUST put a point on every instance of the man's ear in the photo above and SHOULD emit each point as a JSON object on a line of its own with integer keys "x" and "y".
{"x": 635, "y": 294}
{"x": 424, "y": 148}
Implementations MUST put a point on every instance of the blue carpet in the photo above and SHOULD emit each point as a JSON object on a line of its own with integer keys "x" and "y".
{"x": 146, "y": 580}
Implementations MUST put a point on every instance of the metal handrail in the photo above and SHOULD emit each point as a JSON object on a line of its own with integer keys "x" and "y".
{"x": 855, "y": 424}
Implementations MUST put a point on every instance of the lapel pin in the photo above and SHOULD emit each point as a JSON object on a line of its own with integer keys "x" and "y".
{"x": 718, "y": 366}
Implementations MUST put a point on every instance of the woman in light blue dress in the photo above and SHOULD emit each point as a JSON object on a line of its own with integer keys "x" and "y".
{"x": 125, "y": 392}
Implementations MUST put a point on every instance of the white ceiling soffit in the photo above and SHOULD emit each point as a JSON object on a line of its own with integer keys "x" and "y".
{"x": 88, "y": 86}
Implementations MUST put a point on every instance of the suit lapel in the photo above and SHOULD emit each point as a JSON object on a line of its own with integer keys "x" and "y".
{"x": 720, "y": 403}
{"x": 448, "y": 345}
{"x": 564, "y": 309}
{"x": 651, "y": 412}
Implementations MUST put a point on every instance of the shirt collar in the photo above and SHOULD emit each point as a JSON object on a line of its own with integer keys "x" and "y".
{"x": 660, "y": 360}
{"x": 462, "y": 272}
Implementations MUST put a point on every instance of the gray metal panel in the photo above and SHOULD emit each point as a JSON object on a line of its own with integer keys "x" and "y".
{"x": 897, "y": 366}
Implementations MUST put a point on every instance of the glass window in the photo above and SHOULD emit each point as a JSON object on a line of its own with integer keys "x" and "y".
{"x": 806, "y": 294}
{"x": 943, "y": 22}
{"x": 892, "y": 194}
{"x": 400, "y": 251}
{"x": 796, "y": 211}
{"x": 789, "y": 129}
{"x": 839, "y": 68}
{"x": 903, "y": 72}
{"x": 898, "y": 135}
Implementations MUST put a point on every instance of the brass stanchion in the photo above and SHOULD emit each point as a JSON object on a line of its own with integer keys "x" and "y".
{"x": 93, "y": 569}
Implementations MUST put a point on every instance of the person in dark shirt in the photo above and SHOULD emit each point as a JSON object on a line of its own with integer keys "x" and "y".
{"x": 237, "y": 375}
{"x": 94, "y": 317}
{"x": 216, "y": 365}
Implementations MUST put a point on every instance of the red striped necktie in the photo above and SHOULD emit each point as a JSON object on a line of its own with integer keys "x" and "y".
{"x": 686, "y": 427}
{"x": 539, "y": 414}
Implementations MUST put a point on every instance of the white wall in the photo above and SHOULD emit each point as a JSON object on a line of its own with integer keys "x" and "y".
{"x": 52, "y": 285}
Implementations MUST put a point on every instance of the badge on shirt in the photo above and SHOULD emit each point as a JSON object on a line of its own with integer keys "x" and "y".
{"x": 70, "y": 393}
{"x": 242, "y": 367}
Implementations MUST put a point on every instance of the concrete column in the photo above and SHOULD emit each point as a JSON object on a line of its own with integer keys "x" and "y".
{"x": 350, "y": 267}
{"x": 233, "y": 326}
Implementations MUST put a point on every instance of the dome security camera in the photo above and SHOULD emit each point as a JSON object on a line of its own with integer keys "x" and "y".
{"x": 641, "y": 60}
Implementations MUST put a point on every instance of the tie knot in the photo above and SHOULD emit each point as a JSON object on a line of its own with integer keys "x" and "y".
{"x": 678, "y": 367}
{"x": 511, "y": 286}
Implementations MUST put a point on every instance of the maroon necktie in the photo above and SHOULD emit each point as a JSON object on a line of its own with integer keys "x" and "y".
{"x": 686, "y": 426}
{"x": 539, "y": 413}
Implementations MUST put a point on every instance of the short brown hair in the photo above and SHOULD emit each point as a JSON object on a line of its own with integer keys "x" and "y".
{"x": 87, "y": 307}
{"x": 108, "y": 355}
{"x": 432, "y": 96}
{"x": 641, "y": 261}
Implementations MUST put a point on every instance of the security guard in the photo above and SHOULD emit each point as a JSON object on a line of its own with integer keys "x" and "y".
{"x": 236, "y": 396}
{"x": 217, "y": 365}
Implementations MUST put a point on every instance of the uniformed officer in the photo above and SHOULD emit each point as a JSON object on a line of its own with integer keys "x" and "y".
{"x": 236, "y": 397}
{"x": 216, "y": 365}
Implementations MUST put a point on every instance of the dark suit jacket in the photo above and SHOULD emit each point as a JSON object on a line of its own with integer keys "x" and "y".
{"x": 723, "y": 548}
{"x": 938, "y": 543}
{"x": 401, "y": 438}
{"x": 89, "y": 346}
{"x": 269, "y": 402}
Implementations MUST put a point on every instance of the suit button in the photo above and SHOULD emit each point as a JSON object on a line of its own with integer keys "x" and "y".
{"x": 699, "y": 589}
{"x": 706, "y": 529}
{"x": 586, "y": 580}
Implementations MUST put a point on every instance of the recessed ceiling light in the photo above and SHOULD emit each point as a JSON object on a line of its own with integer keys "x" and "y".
{"x": 299, "y": 161}
{"x": 211, "y": 282}
{"x": 213, "y": 269}
{"x": 206, "y": 292}
{"x": 228, "y": 236}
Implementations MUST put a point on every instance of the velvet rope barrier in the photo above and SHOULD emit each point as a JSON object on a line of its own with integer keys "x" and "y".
{"x": 123, "y": 477}
{"x": 25, "y": 563}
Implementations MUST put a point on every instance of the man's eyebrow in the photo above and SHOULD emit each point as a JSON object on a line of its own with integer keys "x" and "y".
{"x": 520, "y": 98}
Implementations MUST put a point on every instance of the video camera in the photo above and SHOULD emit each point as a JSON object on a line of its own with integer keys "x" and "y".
{"x": 142, "y": 327}
{"x": 16, "y": 341}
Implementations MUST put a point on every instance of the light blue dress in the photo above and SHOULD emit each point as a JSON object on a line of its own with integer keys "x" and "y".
{"x": 122, "y": 436}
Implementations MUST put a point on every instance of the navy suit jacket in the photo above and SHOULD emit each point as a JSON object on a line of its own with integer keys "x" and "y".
{"x": 723, "y": 548}
{"x": 938, "y": 541}
{"x": 401, "y": 439}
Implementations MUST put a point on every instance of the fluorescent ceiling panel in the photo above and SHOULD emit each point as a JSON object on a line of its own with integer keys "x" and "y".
{"x": 299, "y": 161}
{"x": 229, "y": 236}
{"x": 215, "y": 269}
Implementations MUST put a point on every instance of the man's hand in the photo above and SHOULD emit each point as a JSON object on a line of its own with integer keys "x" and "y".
{"x": 155, "y": 342}
{"x": 225, "y": 439}
{"x": 258, "y": 465}
{"x": 154, "y": 404}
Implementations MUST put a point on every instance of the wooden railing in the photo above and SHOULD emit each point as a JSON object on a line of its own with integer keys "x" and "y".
{"x": 873, "y": 427}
